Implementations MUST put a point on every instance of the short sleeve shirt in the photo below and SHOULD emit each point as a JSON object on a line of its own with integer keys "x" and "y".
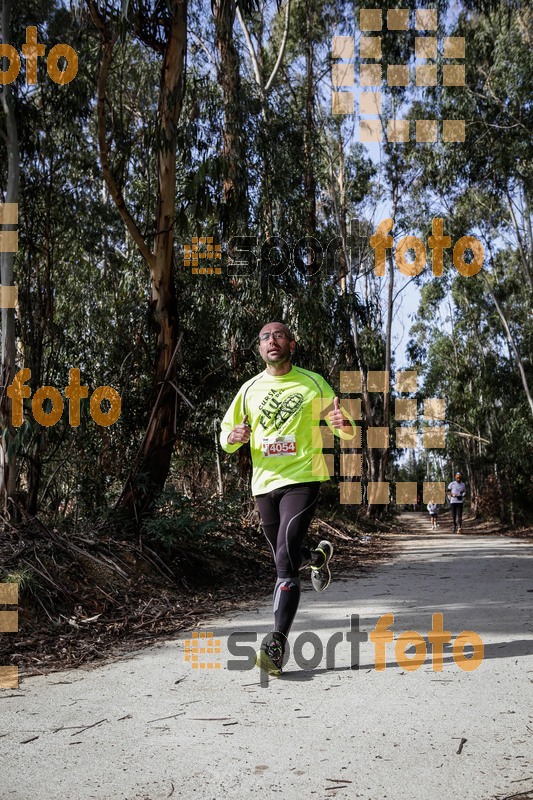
{"x": 457, "y": 491}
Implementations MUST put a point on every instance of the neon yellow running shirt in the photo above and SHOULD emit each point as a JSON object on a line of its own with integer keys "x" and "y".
{"x": 282, "y": 416}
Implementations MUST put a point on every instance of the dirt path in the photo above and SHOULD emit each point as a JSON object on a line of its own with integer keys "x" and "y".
{"x": 152, "y": 727}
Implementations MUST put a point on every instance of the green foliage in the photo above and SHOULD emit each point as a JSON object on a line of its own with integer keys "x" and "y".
{"x": 176, "y": 521}
{"x": 27, "y": 581}
{"x": 84, "y": 290}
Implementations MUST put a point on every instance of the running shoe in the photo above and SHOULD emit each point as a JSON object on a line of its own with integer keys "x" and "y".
{"x": 320, "y": 573}
{"x": 270, "y": 656}
{"x": 460, "y": 530}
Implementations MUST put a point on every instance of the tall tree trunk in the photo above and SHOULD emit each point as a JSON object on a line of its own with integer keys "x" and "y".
{"x": 512, "y": 344}
{"x": 235, "y": 212}
{"x": 263, "y": 88}
{"x": 8, "y": 458}
{"x": 151, "y": 467}
{"x": 523, "y": 248}
{"x": 385, "y": 454}
{"x": 156, "y": 449}
{"x": 309, "y": 132}
{"x": 38, "y": 309}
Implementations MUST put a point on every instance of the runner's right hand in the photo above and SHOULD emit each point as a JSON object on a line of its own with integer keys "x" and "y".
{"x": 240, "y": 433}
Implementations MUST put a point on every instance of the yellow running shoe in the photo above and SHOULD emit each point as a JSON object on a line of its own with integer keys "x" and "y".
{"x": 270, "y": 655}
{"x": 320, "y": 573}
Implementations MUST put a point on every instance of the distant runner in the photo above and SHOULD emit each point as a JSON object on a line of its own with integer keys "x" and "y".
{"x": 274, "y": 411}
{"x": 433, "y": 511}
{"x": 456, "y": 493}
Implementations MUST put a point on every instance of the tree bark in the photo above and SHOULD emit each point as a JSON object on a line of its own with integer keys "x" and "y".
{"x": 150, "y": 470}
{"x": 512, "y": 344}
{"x": 309, "y": 133}
{"x": 235, "y": 212}
{"x": 8, "y": 457}
{"x": 263, "y": 89}
{"x": 385, "y": 454}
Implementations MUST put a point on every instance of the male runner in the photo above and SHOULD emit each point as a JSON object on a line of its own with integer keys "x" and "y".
{"x": 274, "y": 411}
{"x": 456, "y": 493}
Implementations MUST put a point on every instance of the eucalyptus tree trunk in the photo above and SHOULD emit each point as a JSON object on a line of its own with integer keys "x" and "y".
{"x": 309, "y": 130}
{"x": 8, "y": 459}
{"x": 384, "y": 456}
{"x": 151, "y": 466}
{"x": 235, "y": 214}
{"x": 512, "y": 345}
{"x": 263, "y": 87}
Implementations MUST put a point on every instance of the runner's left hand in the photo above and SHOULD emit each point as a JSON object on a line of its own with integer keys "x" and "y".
{"x": 335, "y": 417}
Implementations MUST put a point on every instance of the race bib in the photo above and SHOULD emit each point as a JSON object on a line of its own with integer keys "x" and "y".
{"x": 279, "y": 446}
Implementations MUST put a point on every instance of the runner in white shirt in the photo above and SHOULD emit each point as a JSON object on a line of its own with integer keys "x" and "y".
{"x": 456, "y": 493}
{"x": 433, "y": 511}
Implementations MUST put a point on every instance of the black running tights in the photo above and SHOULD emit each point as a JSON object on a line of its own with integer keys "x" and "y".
{"x": 286, "y": 514}
{"x": 457, "y": 513}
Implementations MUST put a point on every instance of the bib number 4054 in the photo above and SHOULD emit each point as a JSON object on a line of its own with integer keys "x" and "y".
{"x": 279, "y": 447}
